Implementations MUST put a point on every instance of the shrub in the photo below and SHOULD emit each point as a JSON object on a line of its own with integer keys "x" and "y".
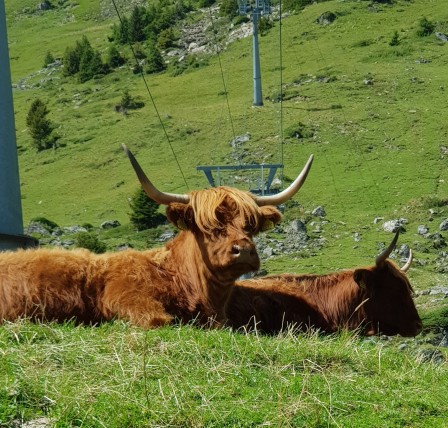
{"x": 49, "y": 59}
{"x": 139, "y": 51}
{"x": 90, "y": 242}
{"x": 83, "y": 60}
{"x": 144, "y": 213}
{"x": 264, "y": 25}
{"x": 166, "y": 38}
{"x": 206, "y": 3}
{"x": 295, "y": 5}
{"x": 154, "y": 60}
{"x": 435, "y": 320}
{"x": 128, "y": 102}
{"x": 426, "y": 27}
{"x": 48, "y": 224}
{"x": 299, "y": 131}
{"x": 114, "y": 58}
{"x": 395, "y": 41}
{"x": 240, "y": 19}
{"x": 229, "y": 8}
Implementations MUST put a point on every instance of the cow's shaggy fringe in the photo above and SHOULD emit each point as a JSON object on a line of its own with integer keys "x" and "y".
{"x": 208, "y": 212}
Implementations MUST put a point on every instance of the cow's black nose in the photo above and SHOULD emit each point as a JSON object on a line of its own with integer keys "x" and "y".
{"x": 244, "y": 252}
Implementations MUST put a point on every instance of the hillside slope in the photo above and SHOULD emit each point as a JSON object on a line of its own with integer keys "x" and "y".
{"x": 370, "y": 112}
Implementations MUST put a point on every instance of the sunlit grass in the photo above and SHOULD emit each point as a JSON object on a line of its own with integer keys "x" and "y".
{"x": 115, "y": 375}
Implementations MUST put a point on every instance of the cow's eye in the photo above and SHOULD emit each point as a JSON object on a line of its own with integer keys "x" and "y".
{"x": 219, "y": 233}
{"x": 249, "y": 229}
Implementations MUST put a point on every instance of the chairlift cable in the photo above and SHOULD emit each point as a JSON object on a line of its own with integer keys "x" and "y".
{"x": 152, "y": 99}
{"x": 281, "y": 88}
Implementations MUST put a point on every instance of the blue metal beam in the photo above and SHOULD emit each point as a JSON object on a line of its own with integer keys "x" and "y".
{"x": 11, "y": 221}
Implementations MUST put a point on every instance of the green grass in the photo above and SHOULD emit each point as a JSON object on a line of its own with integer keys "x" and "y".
{"x": 377, "y": 154}
{"x": 115, "y": 375}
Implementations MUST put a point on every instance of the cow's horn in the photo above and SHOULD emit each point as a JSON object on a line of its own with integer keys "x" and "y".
{"x": 385, "y": 254}
{"x": 408, "y": 263}
{"x": 290, "y": 191}
{"x": 149, "y": 188}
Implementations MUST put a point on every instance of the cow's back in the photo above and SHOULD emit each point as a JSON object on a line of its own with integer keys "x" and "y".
{"x": 46, "y": 284}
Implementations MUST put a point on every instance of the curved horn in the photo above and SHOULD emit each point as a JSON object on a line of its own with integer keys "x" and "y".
{"x": 408, "y": 263}
{"x": 290, "y": 191}
{"x": 149, "y": 188}
{"x": 385, "y": 254}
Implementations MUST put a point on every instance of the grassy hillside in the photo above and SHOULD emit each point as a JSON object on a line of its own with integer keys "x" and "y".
{"x": 368, "y": 142}
{"x": 371, "y": 112}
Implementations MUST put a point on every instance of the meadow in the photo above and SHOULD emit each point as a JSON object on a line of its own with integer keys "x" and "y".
{"x": 373, "y": 115}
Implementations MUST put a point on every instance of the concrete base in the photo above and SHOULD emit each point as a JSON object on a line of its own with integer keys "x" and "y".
{"x": 14, "y": 242}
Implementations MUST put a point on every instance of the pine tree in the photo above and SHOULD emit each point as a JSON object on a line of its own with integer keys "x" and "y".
{"x": 144, "y": 213}
{"x": 114, "y": 58}
{"x": 39, "y": 126}
{"x": 91, "y": 65}
{"x": 49, "y": 59}
{"x": 137, "y": 24}
{"x": 154, "y": 60}
{"x": 121, "y": 32}
{"x": 71, "y": 62}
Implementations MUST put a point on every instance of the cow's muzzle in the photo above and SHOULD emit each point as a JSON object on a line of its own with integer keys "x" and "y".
{"x": 246, "y": 254}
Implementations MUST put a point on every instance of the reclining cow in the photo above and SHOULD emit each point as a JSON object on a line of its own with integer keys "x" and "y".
{"x": 190, "y": 278}
{"x": 372, "y": 300}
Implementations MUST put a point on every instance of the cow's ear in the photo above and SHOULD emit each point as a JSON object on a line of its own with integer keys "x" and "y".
{"x": 361, "y": 277}
{"x": 181, "y": 215}
{"x": 271, "y": 216}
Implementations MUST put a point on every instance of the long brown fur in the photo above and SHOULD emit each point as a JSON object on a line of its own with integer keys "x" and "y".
{"x": 371, "y": 300}
{"x": 188, "y": 279}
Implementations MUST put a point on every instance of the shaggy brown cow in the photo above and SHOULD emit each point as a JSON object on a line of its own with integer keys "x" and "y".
{"x": 372, "y": 300}
{"x": 189, "y": 278}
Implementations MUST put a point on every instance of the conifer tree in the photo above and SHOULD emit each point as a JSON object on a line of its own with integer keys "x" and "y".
{"x": 144, "y": 213}
{"x": 137, "y": 24}
{"x": 39, "y": 125}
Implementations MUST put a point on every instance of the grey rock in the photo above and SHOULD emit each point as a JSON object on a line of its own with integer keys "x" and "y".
{"x": 319, "y": 212}
{"x": 296, "y": 226}
{"x": 110, "y": 224}
{"x": 444, "y": 225}
{"x": 35, "y": 227}
{"x": 394, "y": 225}
{"x": 268, "y": 252}
{"x": 326, "y": 18}
{"x": 422, "y": 230}
{"x": 430, "y": 356}
{"x": 166, "y": 236}
{"x": 404, "y": 251}
{"x": 74, "y": 229}
{"x": 442, "y": 37}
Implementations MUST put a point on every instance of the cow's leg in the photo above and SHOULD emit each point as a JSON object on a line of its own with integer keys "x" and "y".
{"x": 136, "y": 308}
{"x": 148, "y": 314}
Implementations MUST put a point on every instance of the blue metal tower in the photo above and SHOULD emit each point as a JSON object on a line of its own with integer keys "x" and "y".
{"x": 256, "y": 9}
{"x": 11, "y": 222}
